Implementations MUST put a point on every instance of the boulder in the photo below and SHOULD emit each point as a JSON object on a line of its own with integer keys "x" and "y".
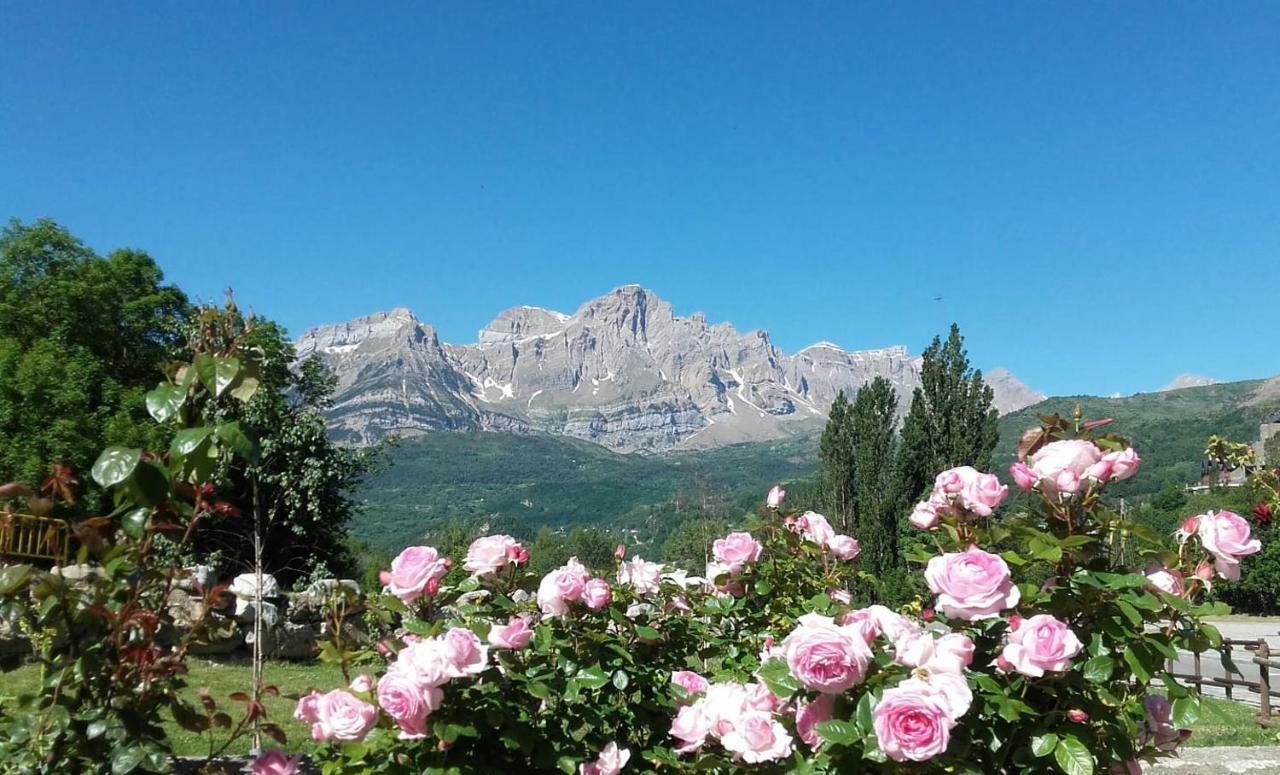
{"x": 223, "y": 637}
{"x": 245, "y": 612}
{"x": 245, "y": 587}
{"x": 184, "y": 607}
{"x": 82, "y": 574}
{"x": 295, "y": 641}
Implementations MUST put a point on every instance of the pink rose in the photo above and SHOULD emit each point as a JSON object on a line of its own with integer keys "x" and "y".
{"x": 1074, "y": 455}
{"x": 757, "y": 737}
{"x": 912, "y": 724}
{"x": 814, "y": 527}
{"x": 561, "y": 587}
{"x": 1041, "y": 643}
{"x": 983, "y": 494}
{"x": 875, "y": 620}
{"x": 924, "y": 515}
{"x": 1067, "y": 482}
{"x": 842, "y": 596}
{"x": 308, "y": 710}
{"x": 362, "y": 683}
{"x": 1101, "y": 471}
{"x": 971, "y": 585}
{"x": 843, "y": 547}
{"x": 343, "y": 716}
{"x": 1226, "y": 536}
{"x": 464, "y": 653}
{"x": 596, "y": 594}
{"x": 824, "y": 656}
{"x": 951, "y": 653}
{"x": 1166, "y": 580}
{"x": 1077, "y": 715}
{"x": 515, "y": 634}
{"x": 416, "y": 572}
{"x": 612, "y": 760}
{"x": 1023, "y": 476}
{"x": 810, "y": 714}
{"x": 425, "y": 661}
{"x": 1124, "y": 463}
{"x": 949, "y": 689}
{"x": 490, "y": 554}
{"x": 644, "y": 576}
{"x": 275, "y": 762}
{"x": 1189, "y": 527}
{"x": 408, "y": 703}
{"x": 736, "y": 550}
{"x": 954, "y": 480}
{"x": 691, "y": 726}
{"x": 774, "y": 499}
{"x": 690, "y": 681}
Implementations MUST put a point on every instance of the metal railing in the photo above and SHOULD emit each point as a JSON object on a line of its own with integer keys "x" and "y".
{"x": 1260, "y": 655}
{"x": 28, "y": 537}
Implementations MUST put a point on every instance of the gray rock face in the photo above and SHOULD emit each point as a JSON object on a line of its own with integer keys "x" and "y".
{"x": 623, "y": 371}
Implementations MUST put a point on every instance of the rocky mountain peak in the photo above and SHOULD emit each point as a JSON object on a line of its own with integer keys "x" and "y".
{"x": 623, "y": 370}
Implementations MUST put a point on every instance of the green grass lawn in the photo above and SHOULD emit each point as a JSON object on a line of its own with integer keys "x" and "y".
{"x": 223, "y": 679}
{"x": 1222, "y": 722}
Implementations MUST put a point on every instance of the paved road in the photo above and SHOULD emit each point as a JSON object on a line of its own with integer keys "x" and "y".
{"x": 1211, "y": 666}
{"x": 1212, "y": 761}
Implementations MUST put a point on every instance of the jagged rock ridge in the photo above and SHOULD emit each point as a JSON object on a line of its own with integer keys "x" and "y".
{"x": 623, "y": 371}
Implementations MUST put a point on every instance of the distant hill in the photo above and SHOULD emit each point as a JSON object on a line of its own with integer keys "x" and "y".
{"x": 524, "y": 481}
{"x": 1169, "y": 427}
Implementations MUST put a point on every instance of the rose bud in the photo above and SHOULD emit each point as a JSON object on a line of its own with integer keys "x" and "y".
{"x": 1077, "y": 715}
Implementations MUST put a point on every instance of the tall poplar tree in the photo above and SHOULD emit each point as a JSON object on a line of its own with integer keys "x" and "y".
{"x": 875, "y": 521}
{"x": 951, "y": 421}
{"x": 838, "y": 477}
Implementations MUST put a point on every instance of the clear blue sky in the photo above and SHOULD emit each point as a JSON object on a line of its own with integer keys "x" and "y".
{"x": 1093, "y": 188}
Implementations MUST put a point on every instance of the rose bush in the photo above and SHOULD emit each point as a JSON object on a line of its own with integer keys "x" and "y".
{"x": 1036, "y": 650}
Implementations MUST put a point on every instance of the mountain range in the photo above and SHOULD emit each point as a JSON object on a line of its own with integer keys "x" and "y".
{"x": 623, "y": 371}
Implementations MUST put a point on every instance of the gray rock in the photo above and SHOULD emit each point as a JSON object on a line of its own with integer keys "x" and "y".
{"x": 623, "y": 371}
{"x": 223, "y": 637}
{"x": 246, "y": 611}
{"x": 295, "y": 641}
{"x": 245, "y": 587}
{"x": 84, "y": 574}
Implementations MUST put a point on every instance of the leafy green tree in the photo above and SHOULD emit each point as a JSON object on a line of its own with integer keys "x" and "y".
{"x": 951, "y": 421}
{"x": 837, "y": 478}
{"x": 875, "y": 521}
{"x": 81, "y": 339}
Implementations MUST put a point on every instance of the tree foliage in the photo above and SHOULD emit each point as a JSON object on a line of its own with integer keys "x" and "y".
{"x": 838, "y": 474}
{"x": 875, "y": 521}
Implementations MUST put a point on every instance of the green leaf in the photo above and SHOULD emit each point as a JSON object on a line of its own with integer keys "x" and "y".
{"x": 216, "y": 374}
{"x": 165, "y": 401}
{"x": 134, "y": 522}
{"x": 1098, "y": 670}
{"x": 620, "y": 680}
{"x": 1186, "y": 711}
{"x": 1043, "y": 745}
{"x": 1130, "y": 613}
{"x": 1073, "y": 757}
{"x": 240, "y": 443}
{"x": 125, "y": 760}
{"x": 1134, "y": 662}
{"x": 112, "y": 467}
{"x": 149, "y": 483}
{"x": 647, "y": 633}
{"x": 188, "y": 440}
{"x": 863, "y": 716}
{"x": 777, "y": 676}
{"x": 592, "y": 677}
{"x": 13, "y": 578}
{"x": 838, "y": 732}
{"x": 245, "y": 389}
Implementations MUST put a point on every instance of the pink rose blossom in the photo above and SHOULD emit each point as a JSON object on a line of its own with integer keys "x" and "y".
{"x": 1077, "y": 715}
{"x": 824, "y": 656}
{"x": 757, "y": 737}
{"x": 983, "y": 494}
{"x": 950, "y": 653}
{"x": 954, "y": 480}
{"x": 416, "y": 572}
{"x": 1101, "y": 471}
{"x": 1074, "y": 455}
{"x": 690, "y": 681}
{"x": 612, "y": 760}
{"x": 1158, "y": 731}
{"x": 488, "y": 555}
{"x": 1023, "y": 476}
{"x": 515, "y": 634}
{"x": 971, "y": 585}
{"x": 643, "y": 576}
{"x": 561, "y": 587}
{"x": 1189, "y": 527}
{"x": 1166, "y": 580}
{"x": 950, "y": 689}
{"x": 275, "y": 762}
{"x": 810, "y": 714}
{"x": 924, "y": 515}
{"x": 425, "y": 661}
{"x": 596, "y": 594}
{"x": 691, "y": 726}
{"x": 308, "y": 710}
{"x": 1041, "y": 643}
{"x": 736, "y": 550}
{"x": 842, "y": 596}
{"x": 343, "y": 716}
{"x": 464, "y": 654}
{"x": 814, "y": 527}
{"x": 912, "y": 724}
{"x": 1124, "y": 463}
{"x": 1067, "y": 482}
{"x": 362, "y": 683}
{"x": 774, "y": 499}
{"x": 408, "y": 703}
{"x": 1226, "y": 536}
{"x": 843, "y": 547}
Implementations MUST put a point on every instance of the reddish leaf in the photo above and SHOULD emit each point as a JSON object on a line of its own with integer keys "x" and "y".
{"x": 275, "y": 733}
{"x": 240, "y": 697}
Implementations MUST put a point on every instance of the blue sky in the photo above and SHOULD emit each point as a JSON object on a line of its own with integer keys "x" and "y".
{"x": 1092, "y": 189}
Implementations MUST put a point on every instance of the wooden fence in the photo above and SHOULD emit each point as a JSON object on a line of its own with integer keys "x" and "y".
{"x": 28, "y": 537}
{"x": 1258, "y": 652}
